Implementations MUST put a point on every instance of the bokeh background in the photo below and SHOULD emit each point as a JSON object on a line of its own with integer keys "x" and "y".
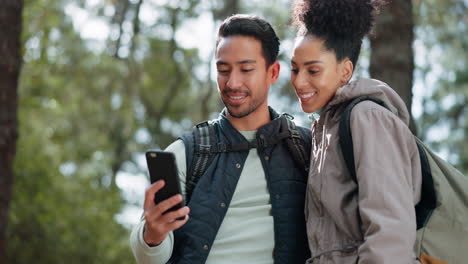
{"x": 101, "y": 81}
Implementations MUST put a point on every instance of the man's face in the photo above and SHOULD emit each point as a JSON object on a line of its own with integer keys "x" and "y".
{"x": 243, "y": 78}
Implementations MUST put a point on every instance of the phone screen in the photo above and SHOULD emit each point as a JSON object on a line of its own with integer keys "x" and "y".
{"x": 162, "y": 166}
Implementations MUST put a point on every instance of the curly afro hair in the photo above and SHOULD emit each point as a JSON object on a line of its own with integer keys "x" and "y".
{"x": 342, "y": 24}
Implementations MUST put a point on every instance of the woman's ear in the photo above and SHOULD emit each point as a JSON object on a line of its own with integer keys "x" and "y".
{"x": 347, "y": 68}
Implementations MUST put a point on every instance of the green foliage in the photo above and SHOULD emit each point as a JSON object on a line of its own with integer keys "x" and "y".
{"x": 57, "y": 217}
{"x": 80, "y": 110}
{"x": 443, "y": 30}
{"x": 85, "y": 103}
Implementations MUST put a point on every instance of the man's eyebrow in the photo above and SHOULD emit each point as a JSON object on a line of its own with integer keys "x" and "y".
{"x": 247, "y": 62}
{"x": 223, "y": 63}
{"x": 308, "y": 62}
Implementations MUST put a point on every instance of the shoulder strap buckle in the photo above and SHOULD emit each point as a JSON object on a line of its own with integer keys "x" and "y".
{"x": 203, "y": 149}
{"x": 222, "y": 147}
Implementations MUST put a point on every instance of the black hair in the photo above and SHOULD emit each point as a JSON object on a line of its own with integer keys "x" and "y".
{"x": 252, "y": 26}
{"x": 342, "y": 24}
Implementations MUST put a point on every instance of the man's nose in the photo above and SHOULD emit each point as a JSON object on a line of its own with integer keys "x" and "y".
{"x": 235, "y": 80}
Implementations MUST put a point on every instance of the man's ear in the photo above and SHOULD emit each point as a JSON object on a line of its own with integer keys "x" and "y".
{"x": 273, "y": 72}
{"x": 347, "y": 68}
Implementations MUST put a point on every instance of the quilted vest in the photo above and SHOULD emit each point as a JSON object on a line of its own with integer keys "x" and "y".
{"x": 212, "y": 195}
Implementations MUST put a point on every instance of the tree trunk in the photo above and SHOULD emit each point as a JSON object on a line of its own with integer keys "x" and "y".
{"x": 10, "y": 64}
{"x": 391, "y": 50}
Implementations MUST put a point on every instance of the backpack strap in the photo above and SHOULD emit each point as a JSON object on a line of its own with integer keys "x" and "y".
{"x": 295, "y": 142}
{"x": 428, "y": 199}
{"x": 204, "y": 136}
{"x": 344, "y": 131}
{"x": 206, "y": 147}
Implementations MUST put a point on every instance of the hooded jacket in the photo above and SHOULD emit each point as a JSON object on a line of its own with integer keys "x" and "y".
{"x": 371, "y": 221}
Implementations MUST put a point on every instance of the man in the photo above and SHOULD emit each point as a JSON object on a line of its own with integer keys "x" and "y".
{"x": 248, "y": 205}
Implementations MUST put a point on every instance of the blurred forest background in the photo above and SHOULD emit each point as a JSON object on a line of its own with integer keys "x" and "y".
{"x": 86, "y": 86}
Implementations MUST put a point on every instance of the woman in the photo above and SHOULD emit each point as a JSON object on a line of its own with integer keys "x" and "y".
{"x": 372, "y": 219}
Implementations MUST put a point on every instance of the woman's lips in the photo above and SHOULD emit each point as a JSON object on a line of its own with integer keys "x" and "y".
{"x": 304, "y": 97}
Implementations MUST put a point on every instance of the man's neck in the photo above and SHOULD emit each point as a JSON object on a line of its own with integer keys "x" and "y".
{"x": 251, "y": 122}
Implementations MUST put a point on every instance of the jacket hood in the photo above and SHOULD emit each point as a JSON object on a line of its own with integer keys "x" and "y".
{"x": 374, "y": 88}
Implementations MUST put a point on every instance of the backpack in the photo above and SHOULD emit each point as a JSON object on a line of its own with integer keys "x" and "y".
{"x": 441, "y": 214}
{"x": 206, "y": 148}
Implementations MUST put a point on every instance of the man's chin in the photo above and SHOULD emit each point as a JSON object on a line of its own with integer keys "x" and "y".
{"x": 237, "y": 113}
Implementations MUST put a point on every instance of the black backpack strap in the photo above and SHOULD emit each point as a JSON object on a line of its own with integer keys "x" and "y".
{"x": 204, "y": 137}
{"x": 295, "y": 142}
{"x": 205, "y": 147}
{"x": 344, "y": 131}
{"x": 202, "y": 146}
{"x": 428, "y": 199}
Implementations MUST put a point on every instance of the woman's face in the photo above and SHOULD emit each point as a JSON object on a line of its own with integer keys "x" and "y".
{"x": 316, "y": 74}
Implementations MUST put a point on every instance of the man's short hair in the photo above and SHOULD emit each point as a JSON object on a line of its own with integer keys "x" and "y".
{"x": 252, "y": 26}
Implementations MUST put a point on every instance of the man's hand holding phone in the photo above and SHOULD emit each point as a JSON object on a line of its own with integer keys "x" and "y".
{"x": 164, "y": 205}
{"x": 160, "y": 221}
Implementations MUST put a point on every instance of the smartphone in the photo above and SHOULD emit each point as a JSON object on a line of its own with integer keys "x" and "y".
{"x": 162, "y": 166}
